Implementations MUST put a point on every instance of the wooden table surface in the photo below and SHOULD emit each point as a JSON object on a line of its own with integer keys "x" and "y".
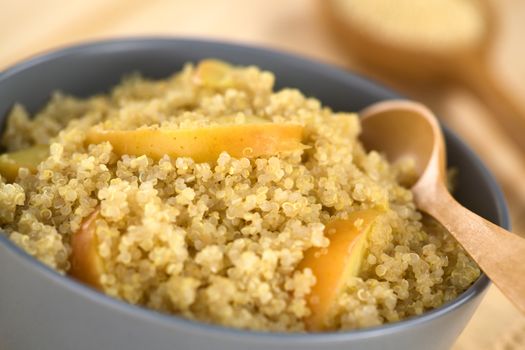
{"x": 31, "y": 26}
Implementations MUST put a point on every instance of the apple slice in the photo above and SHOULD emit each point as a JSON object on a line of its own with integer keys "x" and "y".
{"x": 203, "y": 144}
{"x": 214, "y": 73}
{"x": 333, "y": 266}
{"x": 26, "y": 158}
{"x": 86, "y": 264}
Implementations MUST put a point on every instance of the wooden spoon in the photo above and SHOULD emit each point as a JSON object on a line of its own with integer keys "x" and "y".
{"x": 427, "y": 41}
{"x": 408, "y": 129}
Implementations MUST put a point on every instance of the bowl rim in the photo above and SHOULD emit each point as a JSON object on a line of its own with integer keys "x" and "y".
{"x": 165, "y": 320}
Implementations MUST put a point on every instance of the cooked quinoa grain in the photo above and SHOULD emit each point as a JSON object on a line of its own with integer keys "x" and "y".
{"x": 220, "y": 242}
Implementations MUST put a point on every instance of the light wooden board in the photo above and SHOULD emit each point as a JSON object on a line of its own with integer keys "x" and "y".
{"x": 31, "y": 26}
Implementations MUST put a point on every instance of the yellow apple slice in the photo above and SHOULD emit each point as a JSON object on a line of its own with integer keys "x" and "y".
{"x": 26, "y": 158}
{"x": 333, "y": 266}
{"x": 203, "y": 144}
{"x": 214, "y": 73}
{"x": 86, "y": 264}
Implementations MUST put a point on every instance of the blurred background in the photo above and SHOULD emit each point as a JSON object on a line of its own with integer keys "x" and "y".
{"x": 463, "y": 58}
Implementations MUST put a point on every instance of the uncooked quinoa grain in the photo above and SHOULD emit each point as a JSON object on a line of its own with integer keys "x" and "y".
{"x": 220, "y": 241}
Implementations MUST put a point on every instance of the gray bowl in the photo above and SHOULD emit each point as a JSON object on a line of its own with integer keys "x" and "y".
{"x": 40, "y": 309}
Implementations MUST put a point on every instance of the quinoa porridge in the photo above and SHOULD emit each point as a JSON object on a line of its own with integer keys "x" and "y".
{"x": 211, "y": 196}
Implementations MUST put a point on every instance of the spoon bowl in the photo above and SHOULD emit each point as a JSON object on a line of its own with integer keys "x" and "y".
{"x": 386, "y": 125}
{"x": 400, "y": 129}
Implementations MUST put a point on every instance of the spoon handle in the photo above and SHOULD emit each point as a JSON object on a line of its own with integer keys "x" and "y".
{"x": 507, "y": 109}
{"x": 498, "y": 252}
